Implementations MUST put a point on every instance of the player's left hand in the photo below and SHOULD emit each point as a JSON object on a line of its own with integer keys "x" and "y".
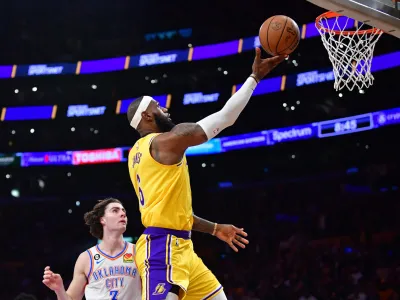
{"x": 232, "y": 236}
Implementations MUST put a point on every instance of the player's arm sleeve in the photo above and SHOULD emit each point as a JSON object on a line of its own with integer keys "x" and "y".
{"x": 76, "y": 289}
{"x": 186, "y": 135}
{"x": 227, "y": 116}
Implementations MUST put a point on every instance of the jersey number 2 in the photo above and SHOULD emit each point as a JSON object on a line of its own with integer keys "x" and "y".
{"x": 114, "y": 295}
{"x": 141, "y": 197}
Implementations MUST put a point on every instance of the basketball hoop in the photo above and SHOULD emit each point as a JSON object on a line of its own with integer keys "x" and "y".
{"x": 350, "y": 52}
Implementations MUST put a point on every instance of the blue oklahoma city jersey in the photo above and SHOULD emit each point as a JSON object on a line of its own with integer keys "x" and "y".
{"x": 113, "y": 277}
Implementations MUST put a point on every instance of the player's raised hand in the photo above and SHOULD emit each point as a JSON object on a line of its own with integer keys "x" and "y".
{"x": 232, "y": 236}
{"x": 52, "y": 280}
{"x": 261, "y": 67}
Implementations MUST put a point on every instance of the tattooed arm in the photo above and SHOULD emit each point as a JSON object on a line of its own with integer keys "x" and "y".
{"x": 168, "y": 148}
{"x": 202, "y": 225}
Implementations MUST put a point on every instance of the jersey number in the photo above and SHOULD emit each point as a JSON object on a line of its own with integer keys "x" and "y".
{"x": 141, "y": 197}
{"x": 114, "y": 295}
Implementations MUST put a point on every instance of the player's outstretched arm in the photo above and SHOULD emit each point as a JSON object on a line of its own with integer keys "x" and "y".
{"x": 225, "y": 232}
{"x": 185, "y": 135}
{"x": 76, "y": 289}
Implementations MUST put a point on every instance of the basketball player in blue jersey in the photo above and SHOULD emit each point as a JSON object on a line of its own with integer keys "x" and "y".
{"x": 167, "y": 263}
{"x": 107, "y": 270}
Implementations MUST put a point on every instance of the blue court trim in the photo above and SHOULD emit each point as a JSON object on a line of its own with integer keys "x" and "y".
{"x": 183, "y": 234}
{"x": 91, "y": 265}
{"x": 109, "y": 256}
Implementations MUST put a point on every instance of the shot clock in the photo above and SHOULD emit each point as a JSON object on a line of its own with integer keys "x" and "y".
{"x": 345, "y": 125}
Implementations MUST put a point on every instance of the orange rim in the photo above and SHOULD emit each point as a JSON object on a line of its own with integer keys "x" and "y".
{"x": 331, "y": 15}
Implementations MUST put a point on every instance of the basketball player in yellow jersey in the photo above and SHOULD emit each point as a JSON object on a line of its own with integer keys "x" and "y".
{"x": 167, "y": 263}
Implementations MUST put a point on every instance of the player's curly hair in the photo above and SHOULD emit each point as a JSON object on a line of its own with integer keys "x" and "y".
{"x": 92, "y": 218}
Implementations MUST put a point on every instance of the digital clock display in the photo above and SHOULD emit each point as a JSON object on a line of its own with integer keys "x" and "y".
{"x": 345, "y": 125}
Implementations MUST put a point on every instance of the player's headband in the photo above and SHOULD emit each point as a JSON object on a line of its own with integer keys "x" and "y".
{"x": 138, "y": 114}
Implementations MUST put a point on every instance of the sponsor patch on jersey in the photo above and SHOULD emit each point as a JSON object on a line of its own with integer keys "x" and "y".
{"x": 128, "y": 258}
{"x": 96, "y": 256}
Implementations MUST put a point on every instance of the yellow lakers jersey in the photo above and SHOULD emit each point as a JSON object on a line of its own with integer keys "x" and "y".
{"x": 165, "y": 198}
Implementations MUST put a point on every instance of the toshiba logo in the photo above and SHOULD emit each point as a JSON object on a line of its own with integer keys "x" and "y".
{"x": 97, "y": 156}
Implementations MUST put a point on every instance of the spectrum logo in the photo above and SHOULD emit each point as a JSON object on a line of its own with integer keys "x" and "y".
{"x": 291, "y": 134}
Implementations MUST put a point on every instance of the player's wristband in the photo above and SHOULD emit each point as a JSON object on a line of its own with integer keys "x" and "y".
{"x": 215, "y": 228}
{"x": 255, "y": 78}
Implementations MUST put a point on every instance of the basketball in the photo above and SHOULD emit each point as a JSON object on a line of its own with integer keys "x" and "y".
{"x": 279, "y": 35}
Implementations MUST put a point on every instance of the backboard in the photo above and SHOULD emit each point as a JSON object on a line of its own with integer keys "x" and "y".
{"x": 382, "y": 14}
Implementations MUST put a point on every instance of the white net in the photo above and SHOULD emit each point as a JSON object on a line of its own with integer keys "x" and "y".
{"x": 350, "y": 52}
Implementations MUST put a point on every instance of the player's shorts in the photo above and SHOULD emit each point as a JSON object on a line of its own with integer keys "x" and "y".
{"x": 166, "y": 257}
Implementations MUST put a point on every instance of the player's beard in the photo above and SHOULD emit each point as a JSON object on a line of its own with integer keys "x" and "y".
{"x": 163, "y": 123}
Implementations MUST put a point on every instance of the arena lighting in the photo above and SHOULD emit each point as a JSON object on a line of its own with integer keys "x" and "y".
{"x": 149, "y": 59}
{"x": 226, "y": 184}
{"x": 352, "y": 170}
{"x": 15, "y": 193}
{"x": 269, "y": 85}
{"x": 41, "y": 184}
{"x": 42, "y": 112}
{"x": 263, "y": 138}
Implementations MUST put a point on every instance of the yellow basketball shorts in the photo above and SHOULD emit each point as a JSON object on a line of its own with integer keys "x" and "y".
{"x": 166, "y": 257}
